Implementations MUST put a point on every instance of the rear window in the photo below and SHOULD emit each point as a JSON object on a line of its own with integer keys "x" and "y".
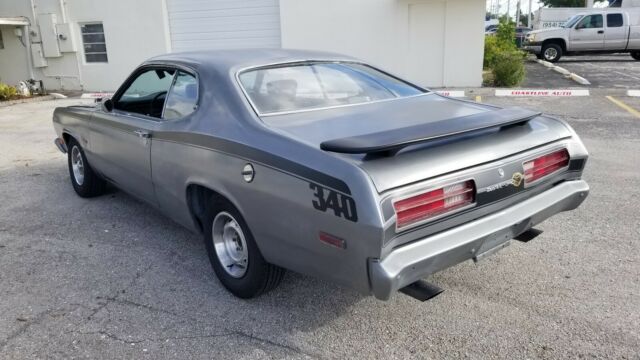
{"x": 307, "y": 86}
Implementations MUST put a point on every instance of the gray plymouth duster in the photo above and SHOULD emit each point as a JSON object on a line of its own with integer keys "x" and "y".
{"x": 324, "y": 165}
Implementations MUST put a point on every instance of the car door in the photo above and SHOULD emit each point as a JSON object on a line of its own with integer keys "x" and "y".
{"x": 588, "y": 34}
{"x": 616, "y": 32}
{"x": 121, "y": 135}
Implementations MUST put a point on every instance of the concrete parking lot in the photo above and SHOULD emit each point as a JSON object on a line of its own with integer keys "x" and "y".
{"x": 111, "y": 278}
{"x": 616, "y": 71}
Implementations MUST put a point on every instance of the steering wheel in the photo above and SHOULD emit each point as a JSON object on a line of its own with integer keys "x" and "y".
{"x": 153, "y": 101}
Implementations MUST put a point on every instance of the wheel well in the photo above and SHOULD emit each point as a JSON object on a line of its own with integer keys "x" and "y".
{"x": 66, "y": 137}
{"x": 198, "y": 199}
{"x": 560, "y": 42}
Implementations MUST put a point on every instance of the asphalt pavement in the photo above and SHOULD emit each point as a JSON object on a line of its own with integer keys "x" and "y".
{"x": 614, "y": 71}
{"x": 110, "y": 277}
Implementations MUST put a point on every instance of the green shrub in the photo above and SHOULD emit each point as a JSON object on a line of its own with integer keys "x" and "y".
{"x": 502, "y": 57}
{"x": 508, "y": 69}
{"x": 7, "y": 92}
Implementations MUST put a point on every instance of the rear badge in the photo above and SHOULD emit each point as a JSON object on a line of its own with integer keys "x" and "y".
{"x": 516, "y": 181}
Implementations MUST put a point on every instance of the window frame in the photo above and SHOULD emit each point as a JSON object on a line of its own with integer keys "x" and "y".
{"x": 239, "y": 72}
{"x": 621, "y": 18}
{"x": 156, "y": 66}
{"x": 104, "y": 35}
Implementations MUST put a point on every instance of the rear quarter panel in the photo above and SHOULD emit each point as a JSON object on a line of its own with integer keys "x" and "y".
{"x": 278, "y": 208}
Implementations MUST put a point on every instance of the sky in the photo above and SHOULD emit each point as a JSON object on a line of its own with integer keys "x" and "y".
{"x": 524, "y": 4}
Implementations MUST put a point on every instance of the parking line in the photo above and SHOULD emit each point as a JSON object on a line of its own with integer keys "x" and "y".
{"x": 631, "y": 110}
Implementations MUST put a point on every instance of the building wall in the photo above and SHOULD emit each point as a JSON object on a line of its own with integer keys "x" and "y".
{"x": 223, "y": 24}
{"x": 134, "y": 31}
{"x": 13, "y": 58}
{"x": 434, "y": 43}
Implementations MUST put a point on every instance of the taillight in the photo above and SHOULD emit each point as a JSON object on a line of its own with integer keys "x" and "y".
{"x": 538, "y": 168}
{"x": 434, "y": 203}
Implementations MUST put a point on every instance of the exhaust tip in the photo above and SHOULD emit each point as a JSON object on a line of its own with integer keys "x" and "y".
{"x": 421, "y": 290}
{"x": 528, "y": 235}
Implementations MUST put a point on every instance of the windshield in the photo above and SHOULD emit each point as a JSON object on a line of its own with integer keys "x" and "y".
{"x": 294, "y": 87}
{"x": 572, "y": 21}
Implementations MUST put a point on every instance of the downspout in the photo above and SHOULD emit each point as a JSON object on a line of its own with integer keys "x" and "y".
{"x": 27, "y": 39}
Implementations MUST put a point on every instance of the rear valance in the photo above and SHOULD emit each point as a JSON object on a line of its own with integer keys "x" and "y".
{"x": 394, "y": 140}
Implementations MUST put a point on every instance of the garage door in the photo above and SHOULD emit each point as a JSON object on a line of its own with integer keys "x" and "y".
{"x": 223, "y": 24}
{"x": 426, "y": 42}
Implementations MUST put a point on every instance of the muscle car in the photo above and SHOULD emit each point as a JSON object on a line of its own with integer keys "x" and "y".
{"x": 324, "y": 165}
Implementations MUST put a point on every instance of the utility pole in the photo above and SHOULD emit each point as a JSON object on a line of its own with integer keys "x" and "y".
{"x": 508, "y": 9}
{"x": 518, "y": 13}
{"x": 529, "y": 15}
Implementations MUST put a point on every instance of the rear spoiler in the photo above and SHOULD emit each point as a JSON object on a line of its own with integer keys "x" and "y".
{"x": 392, "y": 141}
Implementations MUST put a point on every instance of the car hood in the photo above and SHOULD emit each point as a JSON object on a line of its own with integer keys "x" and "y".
{"x": 548, "y": 32}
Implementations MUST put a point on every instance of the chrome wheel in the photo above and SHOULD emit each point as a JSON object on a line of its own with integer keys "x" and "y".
{"x": 230, "y": 244}
{"x": 77, "y": 165}
{"x": 550, "y": 53}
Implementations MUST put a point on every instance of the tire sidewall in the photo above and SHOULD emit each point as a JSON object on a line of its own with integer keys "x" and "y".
{"x": 553, "y": 46}
{"x": 253, "y": 281}
{"x": 636, "y": 55}
{"x": 82, "y": 190}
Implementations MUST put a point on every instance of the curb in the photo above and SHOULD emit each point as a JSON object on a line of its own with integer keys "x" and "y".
{"x": 542, "y": 92}
{"x": 26, "y": 100}
{"x": 568, "y": 74}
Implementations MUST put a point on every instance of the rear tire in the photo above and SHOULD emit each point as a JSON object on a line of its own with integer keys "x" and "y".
{"x": 234, "y": 254}
{"x": 636, "y": 55}
{"x": 85, "y": 181}
{"x": 551, "y": 52}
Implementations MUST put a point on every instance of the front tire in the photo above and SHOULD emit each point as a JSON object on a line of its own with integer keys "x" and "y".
{"x": 85, "y": 181}
{"x": 551, "y": 52}
{"x": 635, "y": 55}
{"x": 234, "y": 255}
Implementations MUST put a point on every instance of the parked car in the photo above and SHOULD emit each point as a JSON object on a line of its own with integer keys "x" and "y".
{"x": 596, "y": 31}
{"x": 323, "y": 165}
{"x": 521, "y": 32}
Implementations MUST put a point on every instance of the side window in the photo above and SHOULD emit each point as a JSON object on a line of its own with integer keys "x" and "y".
{"x": 614, "y": 20}
{"x": 183, "y": 97}
{"x": 590, "y": 22}
{"x": 146, "y": 94}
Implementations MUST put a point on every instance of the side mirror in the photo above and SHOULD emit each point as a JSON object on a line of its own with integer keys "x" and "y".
{"x": 579, "y": 26}
{"x": 107, "y": 104}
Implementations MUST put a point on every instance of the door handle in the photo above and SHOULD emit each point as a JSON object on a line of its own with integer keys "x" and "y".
{"x": 600, "y": 31}
{"x": 142, "y": 134}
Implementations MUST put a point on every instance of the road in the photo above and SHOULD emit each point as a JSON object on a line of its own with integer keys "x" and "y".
{"x": 615, "y": 71}
{"x": 111, "y": 278}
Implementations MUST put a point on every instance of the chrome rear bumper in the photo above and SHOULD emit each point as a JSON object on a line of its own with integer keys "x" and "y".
{"x": 418, "y": 259}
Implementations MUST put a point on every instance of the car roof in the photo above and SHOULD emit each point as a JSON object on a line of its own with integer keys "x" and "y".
{"x": 235, "y": 59}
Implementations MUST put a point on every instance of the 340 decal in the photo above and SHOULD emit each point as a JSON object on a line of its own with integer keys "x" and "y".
{"x": 342, "y": 205}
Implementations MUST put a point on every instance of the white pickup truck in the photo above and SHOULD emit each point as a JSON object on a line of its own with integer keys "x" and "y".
{"x": 612, "y": 30}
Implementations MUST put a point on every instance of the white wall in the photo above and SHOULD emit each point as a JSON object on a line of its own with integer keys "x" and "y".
{"x": 134, "y": 31}
{"x": 380, "y": 32}
{"x": 13, "y": 58}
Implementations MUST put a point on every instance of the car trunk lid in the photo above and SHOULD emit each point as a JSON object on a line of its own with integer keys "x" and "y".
{"x": 400, "y": 142}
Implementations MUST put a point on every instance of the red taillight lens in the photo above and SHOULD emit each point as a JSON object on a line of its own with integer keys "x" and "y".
{"x": 540, "y": 167}
{"x": 433, "y": 203}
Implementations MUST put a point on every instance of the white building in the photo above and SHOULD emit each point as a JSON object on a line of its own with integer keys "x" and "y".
{"x": 93, "y": 45}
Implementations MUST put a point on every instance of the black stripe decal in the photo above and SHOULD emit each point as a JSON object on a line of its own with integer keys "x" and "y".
{"x": 253, "y": 154}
